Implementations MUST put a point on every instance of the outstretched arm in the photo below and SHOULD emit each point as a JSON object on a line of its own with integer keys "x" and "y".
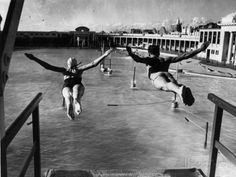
{"x": 45, "y": 64}
{"x": 135, "y": 57}
{"x": 189, "y": 54}
{"x": 95, "y": 62}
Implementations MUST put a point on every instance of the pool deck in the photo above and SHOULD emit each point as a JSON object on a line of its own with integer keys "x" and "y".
{"x": 194, "y": 67}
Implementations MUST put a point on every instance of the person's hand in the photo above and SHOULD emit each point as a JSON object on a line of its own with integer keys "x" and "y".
{"x": 205, "y": 45}
{"x": 30, "y": 56}
{"x": 129, "y": 50}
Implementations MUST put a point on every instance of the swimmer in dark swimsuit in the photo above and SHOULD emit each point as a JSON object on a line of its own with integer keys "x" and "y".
{"x": 72, "y": 87}
{"x": 157, "y": 70}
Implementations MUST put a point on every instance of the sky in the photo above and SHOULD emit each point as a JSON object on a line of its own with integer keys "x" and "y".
{"x": 66, "y": 15}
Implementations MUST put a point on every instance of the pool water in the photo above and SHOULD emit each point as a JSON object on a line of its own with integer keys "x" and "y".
{"x": 140, "y": 130}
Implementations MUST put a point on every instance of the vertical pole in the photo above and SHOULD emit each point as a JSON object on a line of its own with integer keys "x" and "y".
{"x": 206, "y": 135}
{"x": 179, "y": 46}
{"x": 102, "y": 64}
{"x": 133, "y": 81}
{"x": 7, "y": 40}
{"x": 134, "y": 75}
{"x": 177, "y": 68}
{"x": 3, "y": 160}
{"x": 165, "y": 44}
{"x": 36, "y": 139}
{"x": 0, "y": 22}
{"x": 234, "y": 52}
{"x": 215, "y": 137}
{"x": 110, "y": 61}
{"x": 229, "y": 57}
{"x": 189, "y": 46}
{"x": 2, "y": 115}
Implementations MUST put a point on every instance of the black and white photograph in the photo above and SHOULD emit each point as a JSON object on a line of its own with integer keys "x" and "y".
{"x": 118, "y": 88}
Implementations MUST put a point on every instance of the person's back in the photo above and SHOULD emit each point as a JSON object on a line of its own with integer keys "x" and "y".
{"x": 157, "y": 68}
{"x": 157, "y": 64}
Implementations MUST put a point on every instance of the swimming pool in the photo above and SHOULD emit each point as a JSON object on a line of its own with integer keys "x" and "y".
{"x": 140, "y": 132}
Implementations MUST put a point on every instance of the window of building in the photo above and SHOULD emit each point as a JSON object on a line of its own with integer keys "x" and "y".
{"x": 201, "y": 36}
{"x": 218, "y": 37}
{"x": 217, "y": 52}
{"x": 212, "y": 51}
{"x": 177, "y": 43}
{"x": 140, "y": 40}
{"x": 214, "y": 37}
{"x": 210, "y": 36}
{"x": 205, "y": 36}
{"x": 154, "y": 41}
{"x": 163, "y": 42}
{"x": 192, "y": 44}
{"x": 128, "y": 40}
{"x": 135, "y": 41}
{"x": 167, "y": 42}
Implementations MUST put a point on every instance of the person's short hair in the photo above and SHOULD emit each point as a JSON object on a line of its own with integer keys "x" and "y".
{"x": 154, "y": 50}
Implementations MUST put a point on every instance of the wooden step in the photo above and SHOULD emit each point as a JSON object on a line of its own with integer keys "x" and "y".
{"x": 190, "y": 172}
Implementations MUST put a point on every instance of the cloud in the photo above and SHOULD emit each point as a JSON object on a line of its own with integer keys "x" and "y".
{"x": 69, "y": 14}
{"x": 229, "y": 18}
{"x": 3, "y": 10}
{"x": 196, "y": 21}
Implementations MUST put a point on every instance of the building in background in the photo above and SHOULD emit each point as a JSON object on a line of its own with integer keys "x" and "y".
{"x": 84, "y": 37}
{"x": 182, "y": 39}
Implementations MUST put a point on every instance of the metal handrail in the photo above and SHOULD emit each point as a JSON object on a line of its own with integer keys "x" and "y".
{"x": 13, "y": 129}
{"x": 216, "y": 145}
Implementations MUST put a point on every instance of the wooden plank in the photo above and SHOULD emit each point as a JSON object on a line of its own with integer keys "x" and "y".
{"x": 226, "y": 152}
{"x": 222, "y": 103}
{"x": 20, "y": 120}
{"x": 215, "y": 137}
{"x": 3, "y": 161}
{"x": 8, "y": 39}
{"x": 36, "y": 140}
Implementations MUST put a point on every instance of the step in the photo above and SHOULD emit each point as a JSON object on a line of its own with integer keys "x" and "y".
{"x": 190, "y": 172}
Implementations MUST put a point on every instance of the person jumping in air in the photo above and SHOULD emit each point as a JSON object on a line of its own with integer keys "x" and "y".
{"x": 157, "y": 70}
{"x": 72, "y": 87}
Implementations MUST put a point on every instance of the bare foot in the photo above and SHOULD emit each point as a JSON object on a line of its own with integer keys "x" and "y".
{"x": 70, "y": 112}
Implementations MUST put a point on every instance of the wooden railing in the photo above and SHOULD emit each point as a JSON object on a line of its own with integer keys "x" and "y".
{"x": 13, "y": 129}
{"x": 216, "y": 145}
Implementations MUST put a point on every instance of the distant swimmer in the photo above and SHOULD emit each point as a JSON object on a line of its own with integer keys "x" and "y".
{"x": 157, "y": 70}
{"x": 72, "y": 87}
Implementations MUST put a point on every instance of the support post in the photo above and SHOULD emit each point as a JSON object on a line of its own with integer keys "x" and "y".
{"x": 229, "y": 57}
{"x": 215, "y": 137}
{"x": 3, "y": 160}
{"x": 36, "y": 140}
{"x": 7, "y": 41}
{"x": 206, "y": 135}
{"x": 133, "y": 81}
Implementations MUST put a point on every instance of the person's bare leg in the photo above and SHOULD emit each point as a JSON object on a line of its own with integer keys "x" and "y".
{"x": 66, "y": 92}
{"x": 165, "y": 81}
{"x": 78, "y": 92}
